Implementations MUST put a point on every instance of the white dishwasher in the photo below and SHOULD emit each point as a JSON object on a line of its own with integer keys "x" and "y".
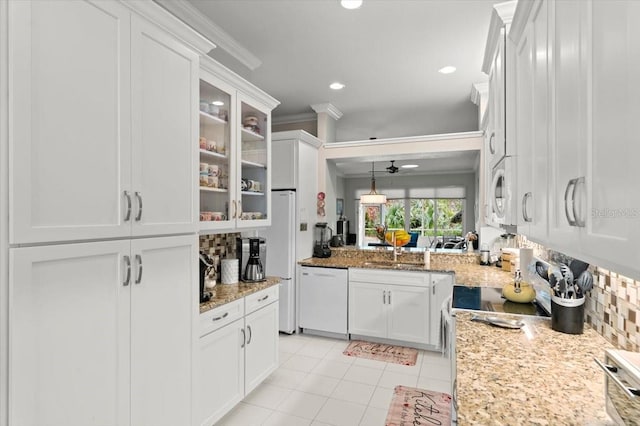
{"x": 323, "y": 299}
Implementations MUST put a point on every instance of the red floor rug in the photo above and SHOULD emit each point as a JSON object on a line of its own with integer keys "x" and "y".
{"x": 382, "y": 352}
{"x": 412, "y": 407}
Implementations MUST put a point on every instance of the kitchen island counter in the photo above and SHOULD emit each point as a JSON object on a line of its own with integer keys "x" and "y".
{"x": 532, "y": 375}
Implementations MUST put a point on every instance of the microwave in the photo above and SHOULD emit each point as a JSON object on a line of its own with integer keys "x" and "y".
{"x": 622, "y": 385}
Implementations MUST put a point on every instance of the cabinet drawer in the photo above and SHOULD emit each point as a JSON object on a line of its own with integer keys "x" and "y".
{"x": 262, "y": 298}
{"x": 390, "y": 277}
{"x": 221, "y": 316}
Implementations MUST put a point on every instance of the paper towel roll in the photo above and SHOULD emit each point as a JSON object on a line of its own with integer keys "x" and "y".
{"x": 229, "y": 271}
{"x": 526, "y": 259}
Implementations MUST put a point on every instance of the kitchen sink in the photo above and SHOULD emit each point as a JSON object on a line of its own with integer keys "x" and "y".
{"x": 394, "y": 265}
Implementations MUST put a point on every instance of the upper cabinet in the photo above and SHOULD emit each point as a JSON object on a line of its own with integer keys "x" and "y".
{"x": 577, "y": 145}
{"x": 102, "y": 142}
{"x": 235, "y": 151}
{"x": 497, "y": 65}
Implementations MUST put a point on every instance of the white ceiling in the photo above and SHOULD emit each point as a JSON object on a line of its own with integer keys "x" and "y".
{"x": 387, "y": 53}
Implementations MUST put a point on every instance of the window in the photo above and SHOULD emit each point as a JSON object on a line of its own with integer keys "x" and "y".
{"x": 440, "y": 219}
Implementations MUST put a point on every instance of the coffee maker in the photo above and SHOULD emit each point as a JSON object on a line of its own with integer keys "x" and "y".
{"x": 322, "y": 236}
{"x": 252, "y": 255}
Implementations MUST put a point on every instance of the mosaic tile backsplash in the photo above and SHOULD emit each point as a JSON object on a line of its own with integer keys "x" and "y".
{"x": 612, "y": 307}
{"x": 219, "y": 246}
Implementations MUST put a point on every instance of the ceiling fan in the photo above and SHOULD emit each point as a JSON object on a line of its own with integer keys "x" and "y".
{"x": 392, "y": 168}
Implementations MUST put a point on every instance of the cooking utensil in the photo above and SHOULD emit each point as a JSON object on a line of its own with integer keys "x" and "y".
{"x": 585, "y": 281}
{"x": 498, "y": 322}
{"x": 542, "y": 270}
{"x": 567, "y": 274}
{"x": 578, "y": 267}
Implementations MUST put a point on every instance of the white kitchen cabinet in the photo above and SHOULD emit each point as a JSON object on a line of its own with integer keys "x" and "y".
{"x": 71, "y": 145}
{"x": 103, "y": 128}
{"x": 391, "y": 304}
{"x": 531, "y": 84}
{"x": 164, "y": 130}
{"x": 261, "y": 350}
{"x": 221, "y": 375}
{"x": 612, "y": 225}
{"x": 113, "y": 313}
{"x": 497, "y": 65}
{"x": 441, "y": 290}
{"x": 367, "y": 309}
{"x": 242, "y": 153}
{"x": 591, "y": 51}
{"x": 238, "y": 350}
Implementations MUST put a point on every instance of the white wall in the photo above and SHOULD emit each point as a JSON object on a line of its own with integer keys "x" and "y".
{"x": 407, "y": 182}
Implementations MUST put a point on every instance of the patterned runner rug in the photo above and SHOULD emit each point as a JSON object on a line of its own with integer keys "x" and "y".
{"x": 412, "y": 407}
{"x": 382, "y": 352}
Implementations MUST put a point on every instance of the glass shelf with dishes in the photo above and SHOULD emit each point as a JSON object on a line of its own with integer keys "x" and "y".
{"x": 254, "y": 158}
{"x": 215, "y": 156}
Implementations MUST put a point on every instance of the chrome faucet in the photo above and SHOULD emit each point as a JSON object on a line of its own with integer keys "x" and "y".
{"x": 396, "y": 250}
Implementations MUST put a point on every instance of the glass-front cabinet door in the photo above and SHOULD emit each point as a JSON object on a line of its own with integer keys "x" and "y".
{"x": 217, "y": 186}
{"x": 254, "y": 152}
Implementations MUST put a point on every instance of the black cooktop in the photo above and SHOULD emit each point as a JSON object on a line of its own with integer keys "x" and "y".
{"x": 491, "y": 300}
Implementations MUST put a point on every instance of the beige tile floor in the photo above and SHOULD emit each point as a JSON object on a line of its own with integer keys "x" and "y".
{"x": 316, "y": 385}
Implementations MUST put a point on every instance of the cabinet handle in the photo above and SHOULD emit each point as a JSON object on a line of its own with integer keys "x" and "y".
{"x": 234, "y": 209}
{"x": 127, "y": 215}
{"x": 384, "y": 297}
{"x": 389, "y": 297}
{"x": 244, "y": 337}
{"x": 578, "y": 220}
{"x": 239, "y": 209}
{"x": 139, "y": 262}
{"x": 525, "y": 214}
{"x": 571, "y": 183}
{"x": 226, "y": 314}
{"x": 127, "y": 279}
{"x": 262, "y": 299}
{"x": 250, "y": 334}
{"x": 492, "y": 147}
{"x": 433, "y": 288}
{"x": 609, "y": 371}
{"x": 139, "y": 198}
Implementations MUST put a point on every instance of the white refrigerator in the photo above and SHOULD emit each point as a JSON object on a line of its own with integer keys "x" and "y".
{"x": 281, "y": 257}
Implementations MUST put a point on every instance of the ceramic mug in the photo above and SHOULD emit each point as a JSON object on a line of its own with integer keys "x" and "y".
{"x": 211, "y": 145}
{"x": 204, "y": 167}
{"x": 217, "y": 216}
{"x": 244, "y": 184}
{"x": 203, "y": 143}
{"x": 213, "y": 170}
{"x": 212, "y": 181}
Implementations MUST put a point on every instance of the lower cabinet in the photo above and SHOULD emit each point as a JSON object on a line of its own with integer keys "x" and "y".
{"x": 101, "y": 333}
{"x": 238, "y": 350}
{"x": 398, "y": 305}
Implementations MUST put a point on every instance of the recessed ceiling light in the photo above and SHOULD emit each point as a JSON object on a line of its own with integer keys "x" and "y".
{"x": 409, "y": 166}
{"x": 447, "y": 70}
{"x": 351, "y": 4}
{"x": 336, "y": 86}
{"x": 217, "y": 103}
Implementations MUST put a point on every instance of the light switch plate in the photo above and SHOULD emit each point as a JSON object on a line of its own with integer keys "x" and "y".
{"x": 303, "y": 226}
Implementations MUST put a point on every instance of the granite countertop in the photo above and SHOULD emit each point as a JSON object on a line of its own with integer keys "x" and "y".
{"x": 534, "y": 375}
{"x": 226, "y": 293}
{"x": 466, "y": 267}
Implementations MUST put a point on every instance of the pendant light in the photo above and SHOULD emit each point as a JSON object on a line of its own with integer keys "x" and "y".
{"x": 373, "y": 197}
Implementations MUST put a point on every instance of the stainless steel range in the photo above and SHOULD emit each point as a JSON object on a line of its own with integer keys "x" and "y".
{"x": 490, "y": 299}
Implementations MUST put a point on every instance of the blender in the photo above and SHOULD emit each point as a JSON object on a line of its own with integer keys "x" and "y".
{"x": 322, "y": 236}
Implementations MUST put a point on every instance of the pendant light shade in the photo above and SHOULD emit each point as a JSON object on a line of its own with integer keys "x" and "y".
{"x": 373, "y": 197}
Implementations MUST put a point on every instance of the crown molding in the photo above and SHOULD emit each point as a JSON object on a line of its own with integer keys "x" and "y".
{"x": 209, "y": 64}
{"x": 170, "y": 23}
{"x": 479, "y": 91}
{"x": 328, "y": 108}
{"x": 300, "y": 135}
{"x": 501, "y": 17}
{"x": 205, "y": 26}
{"x": 520, "y": 18}
{"x": 295, "y": 118}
